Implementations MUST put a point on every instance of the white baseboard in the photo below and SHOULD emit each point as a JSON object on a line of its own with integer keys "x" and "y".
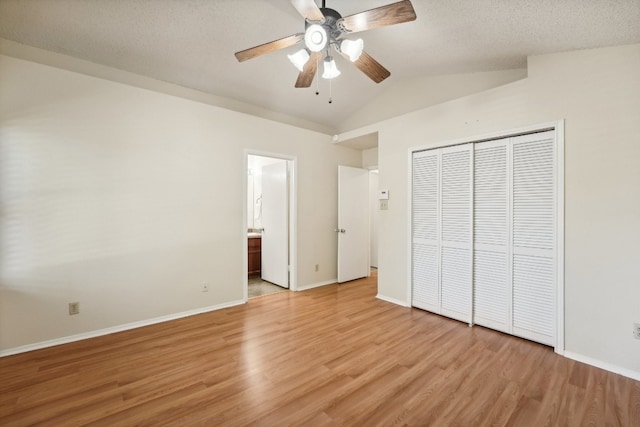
{"x": 317, "y": 285}
{"x": 603, "y": 365}
{"x": 392, "y": 300}
{"x": 114, "y": 329}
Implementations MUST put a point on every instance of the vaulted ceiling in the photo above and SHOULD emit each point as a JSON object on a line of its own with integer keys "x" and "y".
{"x": 191, "y": 43}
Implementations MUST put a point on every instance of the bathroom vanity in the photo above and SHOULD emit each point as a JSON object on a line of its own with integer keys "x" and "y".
{"x": 254, "y": 252}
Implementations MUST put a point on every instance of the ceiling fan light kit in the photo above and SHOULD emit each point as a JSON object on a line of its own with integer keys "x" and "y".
{"x": 315, "y": 37}
{"x": 299, "y": 59}
{"x": 352, "y": 48}
{"x": 325, "y": 28}
{"x": 330, "y": 68}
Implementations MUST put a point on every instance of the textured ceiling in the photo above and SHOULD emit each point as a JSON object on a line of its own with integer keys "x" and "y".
{"x": 191, "y": 42}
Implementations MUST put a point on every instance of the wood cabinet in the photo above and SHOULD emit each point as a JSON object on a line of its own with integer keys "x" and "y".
{"x": 255, "y": 257}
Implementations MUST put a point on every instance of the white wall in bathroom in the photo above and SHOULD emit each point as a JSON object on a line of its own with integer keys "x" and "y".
{"x": 254, "y": 189}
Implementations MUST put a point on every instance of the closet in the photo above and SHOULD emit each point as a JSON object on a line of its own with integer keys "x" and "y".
{"x": 484, "y": 221}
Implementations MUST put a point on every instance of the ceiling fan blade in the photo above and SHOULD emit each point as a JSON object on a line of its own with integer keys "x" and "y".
{"x": 391, "y": 14}
{"x": 263, "y": 49}
{"x": 371, "y": 67}
{"x": 308, "y": 9}
{"x": 309, "y": 71}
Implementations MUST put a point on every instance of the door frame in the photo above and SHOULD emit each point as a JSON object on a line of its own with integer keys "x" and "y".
{"x": 292, "y": 162}
{"x": 556, "y": 126}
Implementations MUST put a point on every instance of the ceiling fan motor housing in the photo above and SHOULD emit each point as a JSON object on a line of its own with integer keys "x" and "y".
{"x": 330, "y": 24}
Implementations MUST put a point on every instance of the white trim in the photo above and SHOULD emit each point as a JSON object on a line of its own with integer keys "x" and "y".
{"x": 293, "y": 224}
{"x": 245, "y": 240}
{"x": 409, "y": 263}
{"x": 114, "y": 329}
{"x": 559, "y": 137}
{"x": 393, "y": 300}
{"x": 491, "y": 136}
{"x": 293, "y": 216}
{"x": 635, "y": 375}
{"x": 317, "y": 285}
{"x": 472, "y": 199}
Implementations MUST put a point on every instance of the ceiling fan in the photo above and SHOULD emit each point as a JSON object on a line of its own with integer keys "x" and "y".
{"x": 326, "y": 28}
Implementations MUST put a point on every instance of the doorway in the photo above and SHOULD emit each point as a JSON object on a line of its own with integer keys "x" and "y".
{"x": 269, "y": 227}
{"x": 373, "y": 217}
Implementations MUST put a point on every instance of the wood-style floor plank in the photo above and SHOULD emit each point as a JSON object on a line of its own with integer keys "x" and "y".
{"x": 334, "y": 355}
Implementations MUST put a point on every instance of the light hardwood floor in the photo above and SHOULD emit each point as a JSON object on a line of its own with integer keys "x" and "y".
{"x": 329, "y": 356}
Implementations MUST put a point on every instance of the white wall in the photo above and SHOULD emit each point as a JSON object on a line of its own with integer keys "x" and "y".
{"x": 407, "y": 95}
{"x": 126, "y": 200}
{"x": 597, "y": 92}
{"x": 373, "y": 216}
{"x": 370, "y": 158}
{"x": 66, "y": 62}
{"x": 254, "y": 188}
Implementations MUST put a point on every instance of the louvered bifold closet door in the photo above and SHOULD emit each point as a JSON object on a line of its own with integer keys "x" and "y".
{"x": 425, "y": 230}
{"x": 456, "y": 235}
{"x": 491, "y": 278}
{"x": 534, "y": 237}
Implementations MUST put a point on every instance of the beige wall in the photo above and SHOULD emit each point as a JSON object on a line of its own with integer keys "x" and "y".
{"x": 407, "y": 95}
{"x": 374, "y": 207}
{"x": 127, "y": 200}
{"x": 370, "y": 158}
{"x": 597, "y": 92}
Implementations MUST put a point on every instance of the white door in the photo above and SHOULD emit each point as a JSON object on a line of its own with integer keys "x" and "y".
{"x": 534, "y": 237}
{"x": 492, "y": 294}
{"x": 456, "y": 232}
{"x": 425, "y": 226}
{"x": 353, "y": 223}
{"x": 442, "y": 231}
{"x": 275, "y": 235}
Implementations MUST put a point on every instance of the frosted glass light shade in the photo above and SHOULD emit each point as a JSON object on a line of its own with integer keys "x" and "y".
{"x": 330, "y": 69}
{"x": 352, "y": 48}
{"x": 315, "y": 38}
{"x": 299, "y": 59}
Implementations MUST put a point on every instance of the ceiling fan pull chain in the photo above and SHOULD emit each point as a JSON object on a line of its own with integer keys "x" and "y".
{"x": 317, "y": 78}
{"x": 330, "y": 100}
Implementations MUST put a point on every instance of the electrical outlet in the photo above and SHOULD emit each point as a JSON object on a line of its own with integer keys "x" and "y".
{"x": 384, "y": 205}
{"x": 317, "y": 267}
{"x": 636, "y": 331}
{"x": 205, "y": 287}
{"x": 74, "y": 308}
